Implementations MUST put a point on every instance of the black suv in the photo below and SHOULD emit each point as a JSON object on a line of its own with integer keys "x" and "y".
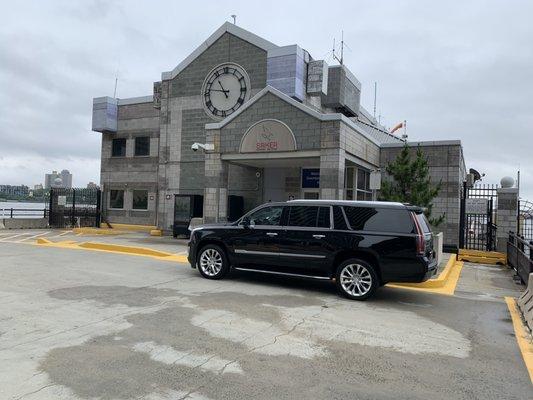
{"x": 360, "y": 245}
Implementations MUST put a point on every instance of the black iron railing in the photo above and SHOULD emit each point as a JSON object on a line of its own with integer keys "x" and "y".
{"x": 520, "y": 255}
{"x": 23, "y": 213}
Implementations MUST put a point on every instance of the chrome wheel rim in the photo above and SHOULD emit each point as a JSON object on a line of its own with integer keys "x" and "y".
{"x": 356, "y": 280}
{"x": 210, "y": 262}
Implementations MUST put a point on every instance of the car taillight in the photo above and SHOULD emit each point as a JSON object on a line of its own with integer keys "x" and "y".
{"x": 420, "y": 241}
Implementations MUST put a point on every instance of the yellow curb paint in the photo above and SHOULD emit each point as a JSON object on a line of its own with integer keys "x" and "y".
{"x": 523, "y": 339}
{"x": 483, "y": 257}
{"x": 137, "y": 228}
{"x": 97, "y": 231}
{"x": 445, "y": 283}
{"x": 43, "y": 241}
{"x": 117, "y": 249}
{"x": 156, "y": 232}
{"x": 124, "y": 249}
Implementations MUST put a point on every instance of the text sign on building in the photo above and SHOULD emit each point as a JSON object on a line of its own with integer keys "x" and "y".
{"x": 61, "y": 200}
{"x": 310, "y": 178}
{"x": 476, "y": 206}
{"x": 268, "y": 135}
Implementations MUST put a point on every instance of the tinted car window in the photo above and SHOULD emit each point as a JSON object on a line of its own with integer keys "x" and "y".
{"x": 338, "y": 219}
{"x": 323, "y": 220}
{"x": 267, "y": 216}
{"x": 423, "y": 222}
{"x": 309, "y": 216}
{"x": 379, "y": 219}
{"x": 303, "y": 216}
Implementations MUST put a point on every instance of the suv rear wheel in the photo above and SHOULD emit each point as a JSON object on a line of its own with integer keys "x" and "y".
{"x": 212, "y": 262}
{"x": 356, "y": 279}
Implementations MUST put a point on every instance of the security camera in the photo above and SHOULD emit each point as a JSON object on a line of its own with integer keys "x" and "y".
{"x": 205, "y": 147}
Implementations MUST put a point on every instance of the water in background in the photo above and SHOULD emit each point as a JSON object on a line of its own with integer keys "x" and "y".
{"x": 23, "y": 209}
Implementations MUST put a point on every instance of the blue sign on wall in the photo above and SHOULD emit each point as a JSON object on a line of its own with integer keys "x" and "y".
{"x": 310, "y": 178}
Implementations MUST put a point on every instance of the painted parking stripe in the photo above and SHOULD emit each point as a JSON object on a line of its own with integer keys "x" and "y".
{"x": 33, "y": 237}
{"x": 60, "y": 235}
{"x": 13, "y": 237}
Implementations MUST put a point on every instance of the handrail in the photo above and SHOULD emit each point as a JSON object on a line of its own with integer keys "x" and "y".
{"x": 520, "y": 255}
{"x": 23, "y": 212}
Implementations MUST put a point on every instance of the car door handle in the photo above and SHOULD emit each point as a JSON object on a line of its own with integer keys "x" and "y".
{"x": 319, "y": 236}
{"x": 272, "y": 234}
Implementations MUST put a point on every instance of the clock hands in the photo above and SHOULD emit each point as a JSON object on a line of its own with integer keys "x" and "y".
{"x": 223, "y": 90}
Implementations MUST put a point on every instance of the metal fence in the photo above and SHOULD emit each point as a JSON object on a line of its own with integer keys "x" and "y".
{"x": 477, "y": 217}
{"x": 74, "y": 207}
{"x": 23, "y": 213}
{"x": 520, "y": 255}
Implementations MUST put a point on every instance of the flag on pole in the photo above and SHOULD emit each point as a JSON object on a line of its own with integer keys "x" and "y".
{"x": 399, "y": 126}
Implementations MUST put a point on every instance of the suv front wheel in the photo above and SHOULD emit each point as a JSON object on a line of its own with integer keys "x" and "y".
{"x": 356, "y": 279}
{"x": 212, "y": 262}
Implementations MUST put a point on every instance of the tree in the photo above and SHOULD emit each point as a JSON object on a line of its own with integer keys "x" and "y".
{"x": 410, "y": 183}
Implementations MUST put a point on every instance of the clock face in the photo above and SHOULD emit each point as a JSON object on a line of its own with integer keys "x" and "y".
{"x": 225, "y": 89}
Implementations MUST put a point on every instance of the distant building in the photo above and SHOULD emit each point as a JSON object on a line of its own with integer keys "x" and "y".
{"x": 10, "y": 190}
{"x": 39, "y": 186}
{"x": 92, "y": 185}
{"x": 58, "y": 180}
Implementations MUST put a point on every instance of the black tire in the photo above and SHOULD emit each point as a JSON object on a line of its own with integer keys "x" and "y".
{"x": 212, "y": 262}
{"x": 367, "y": 279}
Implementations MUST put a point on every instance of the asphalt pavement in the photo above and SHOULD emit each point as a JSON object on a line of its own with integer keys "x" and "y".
{"x": 86, "y": 325}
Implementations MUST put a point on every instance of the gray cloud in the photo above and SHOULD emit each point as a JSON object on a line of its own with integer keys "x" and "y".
{"x": 454, "y": 70}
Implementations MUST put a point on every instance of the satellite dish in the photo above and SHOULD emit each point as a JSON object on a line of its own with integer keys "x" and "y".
{"x": 476, "y": 175}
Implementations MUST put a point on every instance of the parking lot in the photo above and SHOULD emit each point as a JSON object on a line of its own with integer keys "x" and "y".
{"x": 87, "y": 324}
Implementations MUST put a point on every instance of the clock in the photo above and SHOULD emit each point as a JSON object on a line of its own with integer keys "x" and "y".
{"x": 225, "y": 89}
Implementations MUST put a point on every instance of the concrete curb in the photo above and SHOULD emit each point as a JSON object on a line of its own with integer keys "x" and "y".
{"x": 525, "y": 303}
{"x": 144, "y": 251}
{"x": 133, "y": 228}
{"x": 114, "y": 248}
{"x": 98, "y": 231}
{"x": 445, "y": 283}
{"x": 482, "y": 257}
{"x": 437, "y": 282}
{"x": 522, "y": 335}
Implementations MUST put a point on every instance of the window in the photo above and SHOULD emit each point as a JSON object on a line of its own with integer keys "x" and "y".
{"x": 267, "y": 216}
{"x": 423, "y": 222}
{"x": 357, "y": 184}
{"x": 116, "y": 199}
{"x": 140, "y": 200}
{"x": 309, "y": 216}
{"x": 323, "y": 218}
{"x": 118, "y": 148}
{"x": 142, "y": 146}
{"x": 338, "y": 218}
{"x": 379, "y": 219}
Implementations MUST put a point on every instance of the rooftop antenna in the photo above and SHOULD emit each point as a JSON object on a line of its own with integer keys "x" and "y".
{"x": 234, "y": 19}
{"x": 340, "y": 60}
{"x": 116, "y": 83}
{"x": 375, "y": 97}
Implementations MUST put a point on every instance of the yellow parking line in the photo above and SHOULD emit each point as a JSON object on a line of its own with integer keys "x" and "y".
{"x": 445, "y": 283}
{"x": 523, "y": 339}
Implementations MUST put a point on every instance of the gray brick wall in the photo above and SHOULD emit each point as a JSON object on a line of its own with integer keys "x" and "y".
{"x": 227, "y": 48}
{"x": 130, "y": 172}
{"x": 306, "y": 128}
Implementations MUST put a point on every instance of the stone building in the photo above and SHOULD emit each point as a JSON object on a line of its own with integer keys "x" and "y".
{"x": 270, "y": 123}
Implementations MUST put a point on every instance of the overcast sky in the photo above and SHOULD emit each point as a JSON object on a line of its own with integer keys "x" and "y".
{"x": 454, "y": 70}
